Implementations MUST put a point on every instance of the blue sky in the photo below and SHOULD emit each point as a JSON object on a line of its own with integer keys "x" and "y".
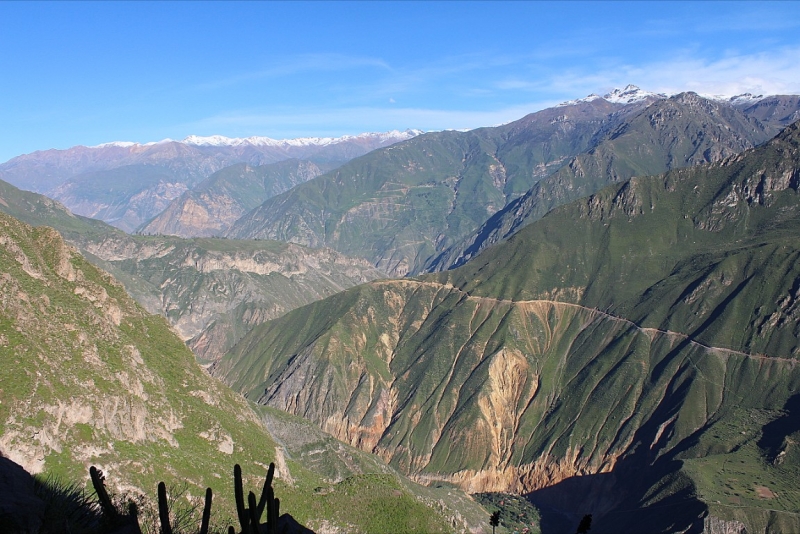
{"x": 86, "y": 73}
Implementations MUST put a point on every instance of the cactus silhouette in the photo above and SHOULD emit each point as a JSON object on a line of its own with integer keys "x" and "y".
{"x": 111, "y": 515}
{"x": 585, "y": 524}
{"x": 249, "y": 516}
{"x": 494, "y": 520}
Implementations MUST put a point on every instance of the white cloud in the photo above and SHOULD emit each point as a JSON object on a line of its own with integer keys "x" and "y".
{"x": 297, "y": 64}
{"x": 356, "y": 120}
{"x": 774, "y": 72}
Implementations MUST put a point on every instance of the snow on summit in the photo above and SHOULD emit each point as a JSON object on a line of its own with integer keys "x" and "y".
{"x": 221, "y": 140}
{"x": 630, "y": 94}
{"x": 579, "y": 100}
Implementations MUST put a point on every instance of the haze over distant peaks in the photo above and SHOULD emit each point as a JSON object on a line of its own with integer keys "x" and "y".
{"x": 221, "y": 140}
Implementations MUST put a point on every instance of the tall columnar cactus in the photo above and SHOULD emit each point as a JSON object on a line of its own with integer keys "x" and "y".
{"x": 250, "y": 517}
{"x": 206, "y": 512}
{"x": 98, "y": 481}
{"x": 163, "y": 509}
{"x": 112, "y": 517}
{"x": 238, "y": 492}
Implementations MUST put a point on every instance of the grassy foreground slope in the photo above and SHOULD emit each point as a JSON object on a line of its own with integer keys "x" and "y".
{"x": 87, "y": 377}
{"x": 631, "y": 355}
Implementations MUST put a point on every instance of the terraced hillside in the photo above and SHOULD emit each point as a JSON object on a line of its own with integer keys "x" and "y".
{"x": 633, "y": 355}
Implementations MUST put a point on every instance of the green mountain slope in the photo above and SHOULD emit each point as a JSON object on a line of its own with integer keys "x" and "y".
{"x": 680, "y": 131}
{"x": 632, "y": 355}
{"x": 397, "y": 206}
{"x": 89, "y": 378}
{"x": 424, "y": 204}
{"x": 38, "y": 210}
{"x": 219, "y": 200}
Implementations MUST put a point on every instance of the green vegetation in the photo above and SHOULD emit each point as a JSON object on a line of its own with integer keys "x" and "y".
{"x": 397, "y": 206}
{"x": 514, "y": 513}
{"x": 629, "y": 336}
{"x": 681, "y": 131}
{"x": 89, "y": 378}
{"x": 423, "y": 204}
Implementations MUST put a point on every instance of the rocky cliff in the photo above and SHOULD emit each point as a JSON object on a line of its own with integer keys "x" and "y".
{"x": 214, "y": 290}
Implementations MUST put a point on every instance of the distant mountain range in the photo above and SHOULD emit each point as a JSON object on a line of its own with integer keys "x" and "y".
{"x": 430, "y": 202}
{"x": 126, "y": 184}
{"x": 213, "y": 205}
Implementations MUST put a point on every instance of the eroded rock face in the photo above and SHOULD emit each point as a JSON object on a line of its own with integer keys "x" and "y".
{"x": 213, "y": 291}
{"x": 715, "y": 525}
{"x": 216, "y": 203}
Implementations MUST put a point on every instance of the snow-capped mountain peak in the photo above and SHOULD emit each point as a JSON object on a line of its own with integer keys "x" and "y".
{"x": 120, "y": 144}
{"x": 222, "y": 141}
{"x": 630, "y": 95}
{"x": 579, "y": 100}
{"x": 743, "y": 99}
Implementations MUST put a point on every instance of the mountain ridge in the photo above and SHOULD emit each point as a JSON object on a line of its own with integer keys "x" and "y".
{"x": 595, "y": 399}
{"x": 90, "y": 378}
{"x": 682, "y": 130}
{"x": 410, "y": 207}
{"x": 213, "y": 205}
{"x": 176, "y": 166}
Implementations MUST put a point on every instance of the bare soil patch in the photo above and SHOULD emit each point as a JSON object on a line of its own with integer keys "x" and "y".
{"x": 764, "y": 492}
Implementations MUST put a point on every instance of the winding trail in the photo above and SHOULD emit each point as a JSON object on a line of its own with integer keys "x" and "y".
{"x": 650, "y": 332}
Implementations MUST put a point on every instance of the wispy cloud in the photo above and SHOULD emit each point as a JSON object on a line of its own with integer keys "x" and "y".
{"x": 469, "y": 91}
{"x": 774, "y": 72}
{"x": 356, "y": 120}
{"x": 298, "y": 64}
